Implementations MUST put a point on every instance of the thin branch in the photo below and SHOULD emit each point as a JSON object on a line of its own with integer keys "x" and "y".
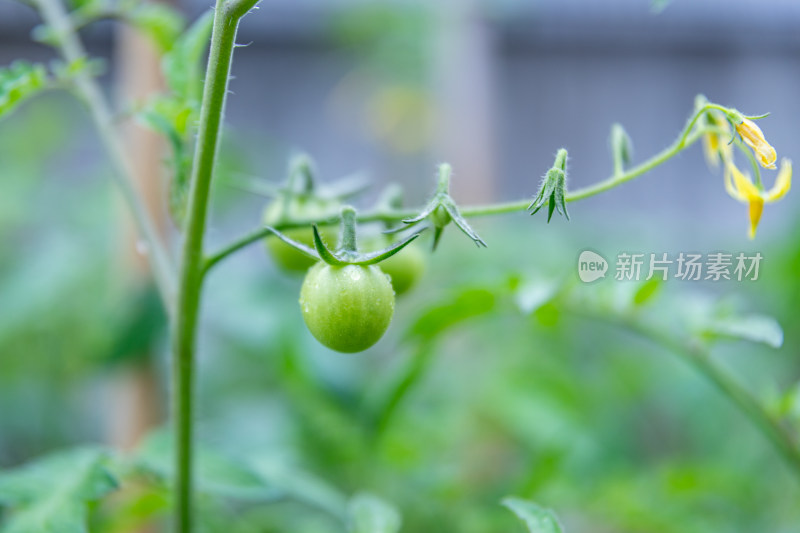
{"x": 56, "y": 17}
{"x": 699, "y": 357}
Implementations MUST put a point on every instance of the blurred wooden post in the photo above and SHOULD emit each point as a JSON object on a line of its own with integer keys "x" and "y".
{"x": 464, "y": 85}
{"x": 136, "y": 403}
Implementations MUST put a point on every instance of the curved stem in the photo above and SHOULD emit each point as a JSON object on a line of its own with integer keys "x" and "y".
{"x": 638, "y": 170}
{"x": 226, "y": 19}
{"x": 700, "y": 359}
{"x": 56, "y": 17}
{"x": 698, "y": 356}
{"x": 388, "y": 215}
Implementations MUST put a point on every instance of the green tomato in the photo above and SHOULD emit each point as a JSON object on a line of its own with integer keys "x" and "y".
{"x": 285, "y": 256}
{"x": 347, "y": 308}
{"x": 405, "y": 267}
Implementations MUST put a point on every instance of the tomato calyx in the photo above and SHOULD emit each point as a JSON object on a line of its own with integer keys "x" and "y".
{"x": 442, "y": 210}
{"x": 347, "y": 253}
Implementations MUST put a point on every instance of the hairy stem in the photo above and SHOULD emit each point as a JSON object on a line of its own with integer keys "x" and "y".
{"x": 389, "y": 215}
{"x": 192, "y": 267}
{"x": 638, "y": 170}
{"x": 69, "y": 45}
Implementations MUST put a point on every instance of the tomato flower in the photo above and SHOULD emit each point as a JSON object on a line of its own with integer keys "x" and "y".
{"x": 754, "y": 137}
{"x": 740, "y": 186}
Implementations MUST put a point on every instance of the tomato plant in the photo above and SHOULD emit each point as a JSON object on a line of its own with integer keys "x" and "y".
{"x": 347, "y": 302}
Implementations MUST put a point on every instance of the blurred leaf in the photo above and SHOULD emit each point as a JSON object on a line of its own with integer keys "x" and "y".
{"x": 142, "y": 325}
{"x": 648, "y": 290}
{"x": 52, "y": 494}
{"x": 182, "y": 64}
{"x": 538, "y": 519}
{"x": 20, "y": 81}
{"x": 216, "y": 474}
{"x": 369, "y": 514}
{"x": 657, "y": 6}
{"x": 753, "y": 328}
{"x": 174, "y": 115}
{"x": 533, "y": 295}
{"x": 465, "y": 304}
{"x": 163, "y": 24}
{"x": 301, "y": 486}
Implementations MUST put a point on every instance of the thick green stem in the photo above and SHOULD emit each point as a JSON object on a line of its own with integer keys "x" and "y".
{"x": 56, "y": 17}
{"x": 192, "y": 266}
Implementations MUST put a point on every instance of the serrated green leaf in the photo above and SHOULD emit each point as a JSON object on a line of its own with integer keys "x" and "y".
{"x": 52, "y": 494}
{"x": 753, "y": 328}
{"x": 367, "y": 513}
{"x": 537, "y": 518}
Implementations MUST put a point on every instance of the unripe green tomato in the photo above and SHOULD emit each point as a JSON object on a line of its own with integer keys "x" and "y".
{"x": 284, "y": 255}
{"x": 347, "y": 308}
{"x": 404, "y": 268}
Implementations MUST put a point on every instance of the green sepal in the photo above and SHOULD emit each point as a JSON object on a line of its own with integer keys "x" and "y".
{"x": 552, "y": 191}
{"x": 442, "y": 201}
{"x": 339, "y": 259}
{"x": 299, "y": 246}
{"x": 451, "y": 208}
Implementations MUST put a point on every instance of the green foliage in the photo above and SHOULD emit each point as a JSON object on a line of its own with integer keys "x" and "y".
{"x": 19, "y": 82}
{"x": 175, "y": 114}
{"x": 182, "y": 64}
{"x": 217, "y": 474}
{"x": 53, "y": 494}
{"x": 753, "y": 328}
{"x": 162, "y": 23}
{"x": 536, "y": 518}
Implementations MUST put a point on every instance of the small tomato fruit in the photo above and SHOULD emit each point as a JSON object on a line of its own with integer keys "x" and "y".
{"x": 285, "y": 256}
{"x": 404, "y": 268}
{"x": 347, "y": 308}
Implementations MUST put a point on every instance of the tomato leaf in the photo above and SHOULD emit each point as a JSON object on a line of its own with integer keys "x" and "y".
{"x": 19, "y": 82}
{"x": 754, "y": 328}
{"x": 647, "y": 291}
{"x": 160, "y": 22}
{"x": 182, "y": 64}
{"x": 462, "y": 305}
{"x": 216, "y": 473}
{"x": 369, "y": 514}
{"x": 52, "y": 495}
{"x": 537, "y": 518}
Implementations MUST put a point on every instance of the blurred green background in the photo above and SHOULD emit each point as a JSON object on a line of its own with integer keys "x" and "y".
{"x": 612, "y": 431}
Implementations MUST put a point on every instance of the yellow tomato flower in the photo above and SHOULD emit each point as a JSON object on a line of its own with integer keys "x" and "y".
{"x": 754, "y": 138}
{"x": 717, "y": 146}
{"x": 740, "y": 186}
